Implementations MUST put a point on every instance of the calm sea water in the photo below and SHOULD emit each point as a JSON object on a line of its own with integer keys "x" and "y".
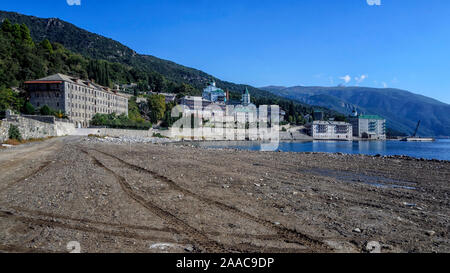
{"x": 440, "y": 149}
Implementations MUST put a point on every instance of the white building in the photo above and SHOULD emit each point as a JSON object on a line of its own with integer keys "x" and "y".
{"x": 369, "y": 126}
{"x": 331, "y": 130}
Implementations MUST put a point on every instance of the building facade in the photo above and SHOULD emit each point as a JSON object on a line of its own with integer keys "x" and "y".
{"x": 214, "y": 94}
{"x": 79, "y": 99}
{"x": 332, "y": 130}
{"x": 240, "y": 111}
{"x": 369, "y": 126}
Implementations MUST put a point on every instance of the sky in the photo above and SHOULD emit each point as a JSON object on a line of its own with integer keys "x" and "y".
{"x": 377, "y": 43}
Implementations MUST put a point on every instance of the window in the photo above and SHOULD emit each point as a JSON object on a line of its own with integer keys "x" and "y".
{"x": 322, "y": 129}
{"x": 341, "y": 129}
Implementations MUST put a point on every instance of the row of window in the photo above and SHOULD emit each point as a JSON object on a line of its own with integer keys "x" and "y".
{"x": 338, "y": 129}
{"x": 96, "y": 102}
{"x": 46, "y": 95}
{"x": 96, "y": 93}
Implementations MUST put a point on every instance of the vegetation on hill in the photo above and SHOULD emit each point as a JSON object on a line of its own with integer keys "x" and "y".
{"x": 157, "y": 105}
{"x": 119, "y": 122}
{"x": 122, "y": 65}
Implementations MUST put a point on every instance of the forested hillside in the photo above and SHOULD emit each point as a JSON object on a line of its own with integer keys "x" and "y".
{"x": 81, "y": 53}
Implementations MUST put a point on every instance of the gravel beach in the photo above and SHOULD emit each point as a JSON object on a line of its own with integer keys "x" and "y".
{"x": 129, "y": 196}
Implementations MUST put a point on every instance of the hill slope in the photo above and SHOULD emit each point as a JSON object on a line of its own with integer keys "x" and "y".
{"x": 98, "y": 47}
{"x": 401, "y": 108}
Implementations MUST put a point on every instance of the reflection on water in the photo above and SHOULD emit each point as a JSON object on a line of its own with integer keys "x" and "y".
{"x": 440, "y": 149}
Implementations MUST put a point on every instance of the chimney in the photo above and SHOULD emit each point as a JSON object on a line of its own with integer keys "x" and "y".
{"x": 228, "y": 95}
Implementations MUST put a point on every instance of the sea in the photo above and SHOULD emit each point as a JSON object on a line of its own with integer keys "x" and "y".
{"x": 439, "y": 149}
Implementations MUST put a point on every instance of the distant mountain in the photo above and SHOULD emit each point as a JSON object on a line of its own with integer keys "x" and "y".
{"x": 402, "y": 109}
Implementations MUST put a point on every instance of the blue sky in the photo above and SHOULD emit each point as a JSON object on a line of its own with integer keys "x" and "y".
{"x": 400, "y": 43}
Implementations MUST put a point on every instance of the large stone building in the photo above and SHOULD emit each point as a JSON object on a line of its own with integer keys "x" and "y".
{"x": 369, "y": 126}
{"x": 331, "y": 130}
{"x": 79, "y": 99}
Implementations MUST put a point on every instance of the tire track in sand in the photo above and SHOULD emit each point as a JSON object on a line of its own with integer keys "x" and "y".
{"x": 33, "y": 173}
{"x": 85, "y": 228}
{"x": 288, "y": 235}
{"x": 201, "y": 239}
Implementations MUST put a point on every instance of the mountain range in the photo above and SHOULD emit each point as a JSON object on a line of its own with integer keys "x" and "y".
{"x": 402, "y": 109}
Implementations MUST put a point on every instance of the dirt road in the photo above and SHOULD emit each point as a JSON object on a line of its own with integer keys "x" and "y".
{"x": 173, "y": 198}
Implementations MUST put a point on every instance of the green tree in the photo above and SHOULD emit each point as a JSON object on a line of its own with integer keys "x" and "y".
{"x": 184, "y": 89}
{"x": 156, "y": 82}
{"x": 46, "y": 46}
{"x": 157, "y": 106}
{"x": 6, "y": 26}
{"x": 28, "y": 109}
{"x": 10, "y": 100}
{"x": 45, "y": 111}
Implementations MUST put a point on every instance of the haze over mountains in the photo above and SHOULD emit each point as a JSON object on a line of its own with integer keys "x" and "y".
{"x": 401, "y": 108}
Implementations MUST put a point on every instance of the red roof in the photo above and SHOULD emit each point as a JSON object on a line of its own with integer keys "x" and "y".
{"x": 28, "y": 82}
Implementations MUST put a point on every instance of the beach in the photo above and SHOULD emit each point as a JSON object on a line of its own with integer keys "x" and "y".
{"x": 116, "y": 197}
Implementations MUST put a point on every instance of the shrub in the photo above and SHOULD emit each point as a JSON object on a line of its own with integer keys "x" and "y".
{"x": 45, "y": 111}
{"x": 14, "y": 132}
{"x": 158, "y": 135}
{"x": 119, "y": 122}
{"x": 28, "y": 109}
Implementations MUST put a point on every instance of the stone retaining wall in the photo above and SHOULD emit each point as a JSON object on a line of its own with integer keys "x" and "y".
{"x": 113, "y": 132}
{"x": 35, "y": 126}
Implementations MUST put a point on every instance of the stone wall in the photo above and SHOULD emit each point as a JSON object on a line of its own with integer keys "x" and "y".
{"x": 113, "y": 132}
{"x": 35, "y": 126}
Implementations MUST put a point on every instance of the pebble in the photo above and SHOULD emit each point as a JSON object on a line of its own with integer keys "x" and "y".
{"x": 430, "y": 232}
{"x": 357, "y": 230}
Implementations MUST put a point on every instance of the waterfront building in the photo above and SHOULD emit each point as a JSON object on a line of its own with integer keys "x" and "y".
{"x": 331, "y": 130}
{"x": 79, "y": 99}
{"x": 369, "y": 126}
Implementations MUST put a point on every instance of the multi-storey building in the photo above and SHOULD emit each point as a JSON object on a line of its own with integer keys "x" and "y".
{"x": 332, "y": 130}
{"x": 369, "y": 126}
{"x": 79, "y": 99}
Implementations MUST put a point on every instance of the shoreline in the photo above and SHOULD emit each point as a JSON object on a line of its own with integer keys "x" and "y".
{"x": 249, "y": 143}
{"x": 244, "y": 201}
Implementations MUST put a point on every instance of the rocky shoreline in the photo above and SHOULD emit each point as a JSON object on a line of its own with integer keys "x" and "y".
{"x": 116, "y": 197}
